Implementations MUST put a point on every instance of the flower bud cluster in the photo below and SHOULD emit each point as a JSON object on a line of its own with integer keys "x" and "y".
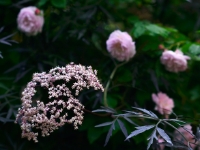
{"x": 37, "y": 116}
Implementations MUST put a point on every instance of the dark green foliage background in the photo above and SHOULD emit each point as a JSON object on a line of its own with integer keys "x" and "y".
{"x": 76, "y": 31}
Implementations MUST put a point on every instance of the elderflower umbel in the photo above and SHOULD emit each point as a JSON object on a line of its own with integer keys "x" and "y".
{"x": 48, "y": 117}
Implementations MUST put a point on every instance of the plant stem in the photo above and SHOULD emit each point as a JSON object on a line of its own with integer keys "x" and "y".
{"x": 175, "y": 129}
{"x": 108, "y": 83}
{"x": 139, "y": 116}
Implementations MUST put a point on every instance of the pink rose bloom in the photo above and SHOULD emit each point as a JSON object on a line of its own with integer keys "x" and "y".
{"x": 187, "y": 133}
{"x": 30, "y": 20}
{"x": 120, "y": 45}
{"x": 164, "y": 104}
{"x": 174, "y": 61}
{"x": 160, "y": 145}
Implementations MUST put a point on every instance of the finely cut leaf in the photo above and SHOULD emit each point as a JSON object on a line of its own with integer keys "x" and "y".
{"x": 132, "y": 112}
{"x": 141, "y": 129}
{"x": 1, "y": 29}
{"x": 109, "y": 135}
{"x": 9, "y": 113}
{"x": 164, "y": 135}
{"x": 6, "y": 95}
{"x": 5, "y": 42}
{"x": 147, "y": 112}
{"x": 104, "y": 124}
{"x": 113, "y": 125}
{"x": 145, "y": 127}
{"x": 5, "y": 120}
{"x": 122, "y": 127}
{"x": 102, "y": 110}
{"x": 130, "y": 121}
{"x": 108, "y": 108}
{"x": 175, "y": 120}
{"x": 153, "y": 135}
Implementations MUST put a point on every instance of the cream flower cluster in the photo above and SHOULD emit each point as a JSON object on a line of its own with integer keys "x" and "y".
{"x": 174, "y": 61}
{"x": 36, "y": 116}
{"x": 30, "y": 20}
{"x": 121, "y": 46}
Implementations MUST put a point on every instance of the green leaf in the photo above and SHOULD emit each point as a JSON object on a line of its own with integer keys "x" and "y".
{"x": 194, "y": 49}
{"x": 94, "y": 134}
{"x": 42, "y": 2}
{"x": 5, "y": 2}
{"x": 185, "y": 47}
{"x": 156, "y": 30}
{"x": 88, "y": 123}
{"x": 125, "y": 76}
{"x": 2, "y": 86}
{"x": 195, "y": 93}
{"x": 112, "y": 101}
{"x": 59, "y": 3}
{"x": 139, "y": 29}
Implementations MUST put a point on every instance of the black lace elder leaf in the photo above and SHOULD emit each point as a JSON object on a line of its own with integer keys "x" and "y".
{"x": 5, "y": 40}
{"x": 105, "y": 109}
{"x": 153, "y": 135}
{"x": 109, "y": 134}
{"x": 104, "y": 124}
{"x": 122, "y": 127}
{"x": 129, "y": 113}
{"x": 175, "y": 120}
{"x": 189, "y": 148}
{"x": 139, "y": 130}
{"x": 164, "y": 135}
{"x": 147, "y": 112}
{"x": 109, "y": 108}
{"x": 1, "y": 55}
{"x": 102, "y": 110}
{"x": 130, "y": 121}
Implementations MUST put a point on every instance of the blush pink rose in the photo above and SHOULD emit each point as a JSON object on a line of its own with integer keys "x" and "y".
{"x": 187, "y": 133}
{"x": 174, "y": 61}
{"x": 120, "y": 45}
{"x": 164, "y": 104}
{"x": 30, "y": 20}
{"x": 161, "y": 145}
